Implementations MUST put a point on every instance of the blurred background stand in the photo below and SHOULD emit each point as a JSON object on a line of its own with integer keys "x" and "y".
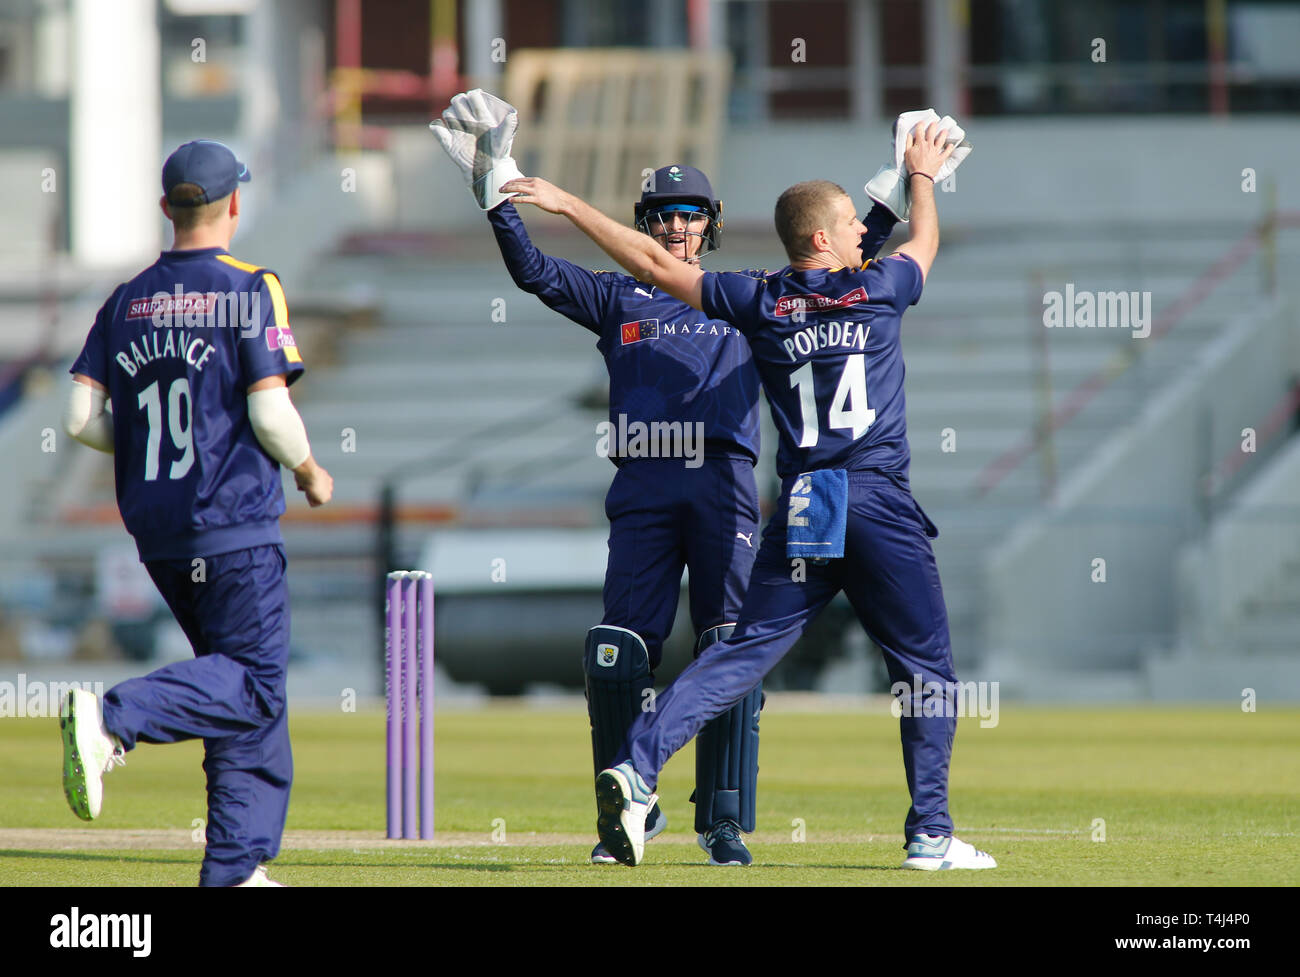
{"x": 1120, "y": 148}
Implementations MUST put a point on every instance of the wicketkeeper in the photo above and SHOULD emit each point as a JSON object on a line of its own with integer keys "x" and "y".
{"x": 667, "y": 364}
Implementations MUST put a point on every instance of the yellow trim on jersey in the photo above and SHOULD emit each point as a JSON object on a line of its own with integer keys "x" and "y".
{"x": 277, "y": 300}
{"x": 236, "y": 263}
{"x": 281, "y": 308}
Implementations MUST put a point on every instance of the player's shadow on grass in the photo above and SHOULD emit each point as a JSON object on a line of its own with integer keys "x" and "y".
{"x": 286, "y": 860}
{"x": 92, "y": 857}
{"x": 759, "y": 865}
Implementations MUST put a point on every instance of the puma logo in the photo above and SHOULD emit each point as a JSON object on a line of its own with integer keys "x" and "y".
{"x": 746, "y": 538}
{"x": 642, "y": 291}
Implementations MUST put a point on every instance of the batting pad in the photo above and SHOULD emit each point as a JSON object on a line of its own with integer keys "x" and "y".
{"x": 619, "y": 687}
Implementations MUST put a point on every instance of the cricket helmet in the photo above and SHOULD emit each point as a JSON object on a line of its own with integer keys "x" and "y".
{"x": 674, "y": 189}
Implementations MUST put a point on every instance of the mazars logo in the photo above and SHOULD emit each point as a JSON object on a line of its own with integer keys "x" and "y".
{"x": 634, "y": 332}
{"x": 606, "y": 655}
{"x": 815, "y": 303}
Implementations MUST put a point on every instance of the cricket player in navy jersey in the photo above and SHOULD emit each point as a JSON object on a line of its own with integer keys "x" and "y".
{"x": 825, "y": 337}
{"x": 195, "y": 356}
{"x": 667, "y": 365}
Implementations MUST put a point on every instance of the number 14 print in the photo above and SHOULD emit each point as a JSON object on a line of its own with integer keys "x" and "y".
{"x": 851, "y": 388}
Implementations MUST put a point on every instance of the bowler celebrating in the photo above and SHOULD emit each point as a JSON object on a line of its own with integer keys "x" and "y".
{"x": 195, "y": 356}
{"x": 668, "y": 367}
{"x": 825, "y": 337}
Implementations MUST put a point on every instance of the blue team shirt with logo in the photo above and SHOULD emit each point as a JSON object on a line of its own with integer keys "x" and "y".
{"x": 178, "y": 347}
{"x": 667, "y": 362}
{"x": 827, "y": 347}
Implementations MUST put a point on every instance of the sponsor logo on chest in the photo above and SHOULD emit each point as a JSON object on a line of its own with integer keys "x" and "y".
{"x": 634, "y": 332}
{"x": 789, "y": 304}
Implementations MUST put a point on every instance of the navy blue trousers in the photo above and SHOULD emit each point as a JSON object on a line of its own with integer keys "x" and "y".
{"x": 231, "y": 695}
{"x": 664, "y": 517}
{"x": 890, "y": 577}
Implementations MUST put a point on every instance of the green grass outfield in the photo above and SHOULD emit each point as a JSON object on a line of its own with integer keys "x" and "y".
{"x": 1189, "y": 797}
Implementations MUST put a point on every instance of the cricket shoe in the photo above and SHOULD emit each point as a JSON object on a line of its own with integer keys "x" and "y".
{"x": 89, "y": 752}
{"x": 933, "y": 853}
{"x": 724, "y": 844}
{"x": 259, "y": 880}
{"x": 622, "y": 802}
{"x": 655, "y": 823}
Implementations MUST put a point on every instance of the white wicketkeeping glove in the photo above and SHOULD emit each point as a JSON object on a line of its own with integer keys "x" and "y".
{"x": 477, "y": 131}
{"x": 889, "y": 186}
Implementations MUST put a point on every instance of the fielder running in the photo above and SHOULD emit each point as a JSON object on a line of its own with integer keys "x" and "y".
{"x": 825, "y": 337}
{"x": 666, "y": 364}
{"x": 195, "y": 355}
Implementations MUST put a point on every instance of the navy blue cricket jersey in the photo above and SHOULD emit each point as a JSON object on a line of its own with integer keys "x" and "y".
{"x": 178, "y": 347}
{"x": 666, "y": 361}
{"x": 827, "y": 347}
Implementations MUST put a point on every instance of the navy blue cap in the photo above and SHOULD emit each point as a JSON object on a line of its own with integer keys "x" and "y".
{"x": 207, "y": 164}
{"x": 677, "y": 184}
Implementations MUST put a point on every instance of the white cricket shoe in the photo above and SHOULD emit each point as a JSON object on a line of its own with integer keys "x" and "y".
{"x": 259, "y": 879}
{"x": 622, "y": 802}
{"x": 933, "y": 853}
{"x": 656, "y": 823}
{"x": 89, "y": 752}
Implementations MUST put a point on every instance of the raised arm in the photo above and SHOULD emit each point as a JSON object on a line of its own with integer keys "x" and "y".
{"x": 569, "y": 289}
{"x": 925, "y": 153}
{"x": 643, "y": 259}
{"x": 878, "y": 225}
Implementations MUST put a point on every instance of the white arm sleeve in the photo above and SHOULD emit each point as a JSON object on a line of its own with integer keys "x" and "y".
{"x": 85, "y": 418}
{"x": 278, "y": 426}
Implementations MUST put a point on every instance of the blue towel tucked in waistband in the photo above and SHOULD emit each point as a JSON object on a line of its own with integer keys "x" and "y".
{"x": 819, "y": 506}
